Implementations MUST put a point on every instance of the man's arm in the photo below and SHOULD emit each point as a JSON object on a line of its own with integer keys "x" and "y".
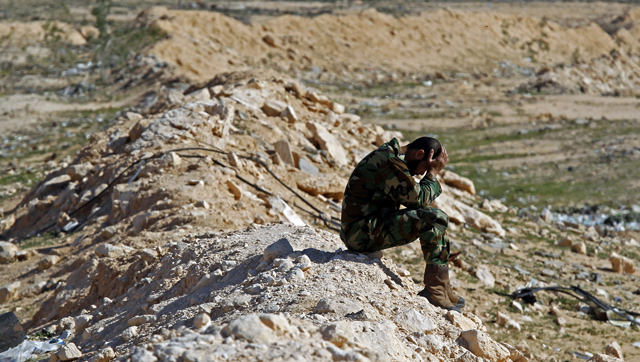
{"x": 401, "y": 186}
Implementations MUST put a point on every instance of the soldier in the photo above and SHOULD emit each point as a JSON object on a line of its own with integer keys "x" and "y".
{"x": 372, "y": 219}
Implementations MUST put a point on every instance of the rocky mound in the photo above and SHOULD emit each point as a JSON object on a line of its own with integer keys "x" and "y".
{"x": 144, "y": 206}
{"x": 273, "y": 292}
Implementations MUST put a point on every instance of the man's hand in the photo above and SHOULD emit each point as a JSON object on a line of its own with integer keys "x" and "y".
{"x": 435, "y": 165}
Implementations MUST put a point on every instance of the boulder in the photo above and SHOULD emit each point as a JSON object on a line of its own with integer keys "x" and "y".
{"x": 8, "y": 251}
{"x": 7, "y": 223}
{"x": 459, "y": 182}
{"x": 564, "y": 242}
{"x": 109, "y": 251}
{"x": 198, "y": 95}
{"x": 289, "y": 114}
{"x": 328, "y": 142}
{"x": 337, "y": 333}
{"x": 481, "y": 345}
{"x": 249, "y": 328}
{"x": 202, "y": 320}
{"x": 621, "y": 264}
{"x": 53, "y": 184}
{"x": 278, "y": 323}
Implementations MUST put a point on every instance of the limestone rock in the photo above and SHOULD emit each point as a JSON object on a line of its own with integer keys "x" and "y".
{"x": 7, "y": 251}
{"x": 502, "y": 319}
{"x": 278, "y": 323}
{"x": 141, "y": 319}
{"x": 461, "y": 321}
{"x": 337, "y": 107}
{"x": 579, "y": 248}
{"x": 459, "y": 182}
{"x": 485, "y": 276}
{"x": 235, "y": 189}
{"x": 308, "y": 167}
{"x": 105, "y": 355}
{"x": 53, "y": 184}
{"x": 82, "y": 321}
{"x": 79, "y": 171}
{"x": 250, "y": 328}
{"x": 283, "y": 149}
{"x": 273, "y": 108}
{"x": 202, "y": 320}
{"x": 564, "y": 242}
{"x": 327, "y": 184}
{"x": 69, "y": 352}
{"x": 481, "y": 345}
{"x": 48, "y": 261}
{"x": 493, "y": 205}
{"x": 278, "y": 249}
{"x": 614, "y": 349}
{"x": 339, "y": 306}
{"x": 198, "y": 95}
{"x": 289, "y": 114}
{"x": 130, "y": 333}
{"x": 109, "y": 251}
{"x": 413, "y": 321}
{"x": 328, "y": 142}
{"x": 604, "y": 358}
{"x": 621, "y": 264}
{"x": 337, "y": 333}
{"x": 6, "y": 224}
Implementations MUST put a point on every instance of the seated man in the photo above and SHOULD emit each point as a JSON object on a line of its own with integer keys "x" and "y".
{"x": 372, "y": 219}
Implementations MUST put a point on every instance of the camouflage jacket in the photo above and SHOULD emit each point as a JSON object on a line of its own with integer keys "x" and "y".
{"x": 380, "y": 183}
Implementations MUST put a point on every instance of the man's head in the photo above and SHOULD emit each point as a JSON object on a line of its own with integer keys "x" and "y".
{"x": 417, "y": 155}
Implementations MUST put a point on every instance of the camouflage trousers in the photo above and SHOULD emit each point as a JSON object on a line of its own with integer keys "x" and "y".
{"x": 400, "y": 227}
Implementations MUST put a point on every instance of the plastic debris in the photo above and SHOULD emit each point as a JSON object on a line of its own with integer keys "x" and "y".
{"x": 28, "y": 348}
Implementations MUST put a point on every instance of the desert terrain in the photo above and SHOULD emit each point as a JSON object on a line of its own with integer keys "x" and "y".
{"x": 171, "y": 178}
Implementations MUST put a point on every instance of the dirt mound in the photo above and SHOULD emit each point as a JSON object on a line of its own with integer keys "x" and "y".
{"x": 203, "y": 44}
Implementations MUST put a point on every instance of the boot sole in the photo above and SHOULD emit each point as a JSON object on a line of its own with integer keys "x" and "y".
{"x": 424, "y": 295}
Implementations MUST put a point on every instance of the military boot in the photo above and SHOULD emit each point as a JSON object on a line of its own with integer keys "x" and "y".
{"x": 436, "y": 281}
{"x": 456, "y": 300}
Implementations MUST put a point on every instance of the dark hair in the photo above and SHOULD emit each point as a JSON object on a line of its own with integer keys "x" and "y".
{"x": 427, "y": 144}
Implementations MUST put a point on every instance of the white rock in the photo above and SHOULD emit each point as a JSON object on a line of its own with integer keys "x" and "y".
{"x": 328, "y": 142}
{"x": 485, "y": 276}
{"x": 202, "y": 320}
{"x": 7, "y": 251}
{"x": 273, "y": 108}
{"x": 413, "y": 321}
{"x": 48, "y": 261}
{"x": 79, "y": 171}
{"x": 337, "y": 333}
{"x": 82, "y": 321}
{"x": 481, "y": 345}
{"x": 9, "y": 291}
{"x": 614, "y": 349}
{"x": 109, "y": 251}
{"x": 579, "y": 248}
{"x": 142, "y": 319}
{"x": 462, "y": 183}
{"x": 280, "y": 248}
{"x": 250, "y": 328}
{"x": 69, "y": 352}
{"x": 621, "y": 264}
{"x": 130, "y": 333}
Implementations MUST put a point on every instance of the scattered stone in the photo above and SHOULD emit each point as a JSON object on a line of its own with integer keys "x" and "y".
{"x": 202, "y": 320}
{"x": 327, "y": 184}
{"x": 283, "y": 149}
{"x": 79, "y": 171}
{"x": 273, "y": 108}
{"x": 280, "y": 248}
{"x": 604, "y": 358}
{"x": 579, "y": 248}
{"x": 621, "y": 264}
{"x": 485, "y": 276}
{"x": 48, "y": 262}
{"x": 517, "y": 306}
{"x": 7, "y": 251}
{"x": 105, "y": 355}
{"x": 202, "y": 204}
{"x": 69, "y": 352}
{"x": 235, "y": 189}
{"x": 109, "y": 251}
{"x": 142, "y": 319}
{"x": 289, "y": 114}
{"x": 308, "y": 167}
{"x": 234, "y": 160}
{"x": 481, "y": 345}
{"x": 329, "y": 143}
{"x": 130, "y": 333}
{"x": 82, "y": 322}
{"x": 614, "y": 349}
{"x": 564, "y": 242}
{"x": 523, "y": 347}
{"x": 502, "y": 319}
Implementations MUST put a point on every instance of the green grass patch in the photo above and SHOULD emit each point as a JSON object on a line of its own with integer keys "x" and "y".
{"x": 44, "y": 239}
